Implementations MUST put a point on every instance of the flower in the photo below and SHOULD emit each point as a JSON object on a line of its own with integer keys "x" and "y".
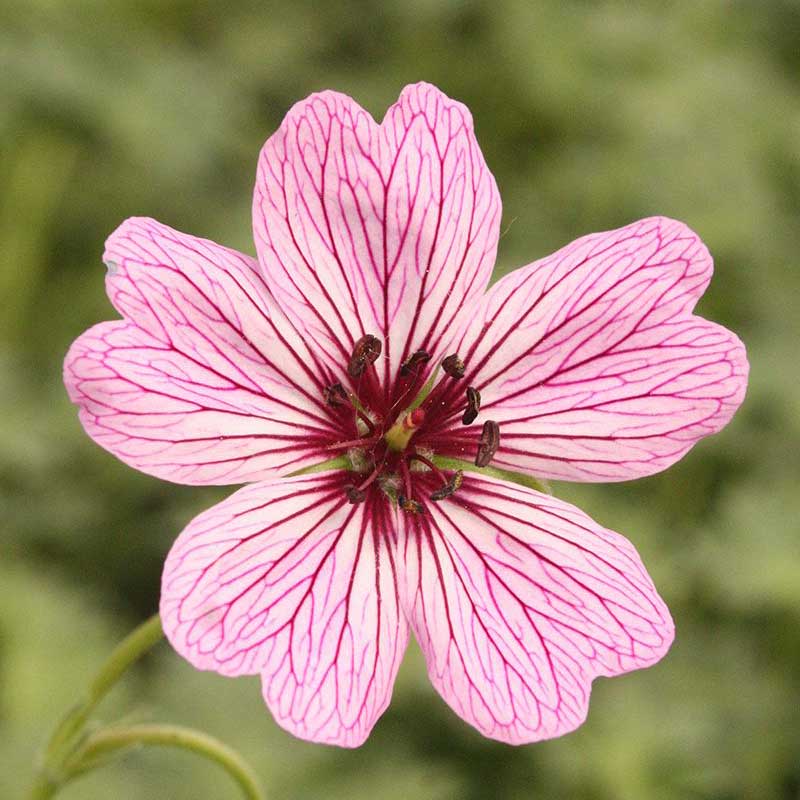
{"x": 385, "y": 409}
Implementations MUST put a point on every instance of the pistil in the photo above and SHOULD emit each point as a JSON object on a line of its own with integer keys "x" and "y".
{"x": 399, "y": 435}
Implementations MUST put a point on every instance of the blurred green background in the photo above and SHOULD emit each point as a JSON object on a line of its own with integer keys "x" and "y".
{"x": 590, "y": 115}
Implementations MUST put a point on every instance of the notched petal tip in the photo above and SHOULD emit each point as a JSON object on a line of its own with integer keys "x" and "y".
{"x": 424, "y": 96}
{"x": 117, "y": 244}
{"x": 593, "y": 363}
{"x": 287, "y": 580}
{"x": 420, "y": 169}
{"x": 547, "y": 601}
{"x": 203, "y": 381}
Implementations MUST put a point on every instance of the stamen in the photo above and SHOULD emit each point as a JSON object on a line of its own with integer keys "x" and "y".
{"x": 473, "y": 406}
{"x": 360, "y": 461}
{"x": 449, "y": 485}
{"x": 355, "y": 495}
{"x": 417, "y": 456}
{"x": 335, "y": 394}
{"x": 450, "y": 488}
{"x": 372, "y": 476}
{"x": 353, "y": 443}
{"x": 370, "y": 425}
{"x": 453, "y": 366}
{"x": 488, "y": 444}
{"x": 414, "y": 361}
{"x": 408, "y": 505}
{"x": 365, "y": 352}
{"x": 406, "y": 476}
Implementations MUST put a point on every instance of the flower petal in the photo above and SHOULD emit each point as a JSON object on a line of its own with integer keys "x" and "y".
{"x": 287, "y": 579}
{"x": 384, "y": 229}
{"x": 518, "y": 601}
{"x": 592, "y": 363}
{"x": 204, "y": 381}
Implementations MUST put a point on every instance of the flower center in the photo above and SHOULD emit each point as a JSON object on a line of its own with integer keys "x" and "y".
{"x": 394, "y": 448}
{"x": 399, "y": 435}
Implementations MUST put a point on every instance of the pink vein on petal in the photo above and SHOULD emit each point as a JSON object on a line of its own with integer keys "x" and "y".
{"x": 592, "y": 363}
{"x": 227, "y": 370}
{"x": 387, "y": 229}
{"x": 519, "y": 601}
{"x": 287, "y": 580}
{"x": 204, "y": 381}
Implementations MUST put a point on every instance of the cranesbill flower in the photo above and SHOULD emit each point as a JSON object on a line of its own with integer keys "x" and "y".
{"x": 385, "y": 410}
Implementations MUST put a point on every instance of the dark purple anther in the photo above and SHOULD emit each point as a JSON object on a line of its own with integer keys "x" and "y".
{"x": 473, "y": 406}
{"x": 488, "y": 444}
{"x": 335, "y": 395}
{"x": 453, "y": 366}
{"x": 414, "y": 362}
{"x": 408, "y": 505}
{"x": 365, "y": 352}
{"x": 451, "y": 487}
{"x": 355, "y": 495}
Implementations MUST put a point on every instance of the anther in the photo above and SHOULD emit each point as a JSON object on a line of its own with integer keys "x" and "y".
{"x": 335, "y": 395}
{"x": 451, "y": 487}
{"x": 488, "y": 444}
{"x": 355, "y": 495}
{"x": 365, "y": 352}
{"x": 453, "y": 366}
{"x": 414, "y": 361}
{"x": 473, "y": 406}
{"x": 408, "y": 505}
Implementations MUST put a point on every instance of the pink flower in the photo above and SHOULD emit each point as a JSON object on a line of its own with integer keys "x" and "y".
{"x": 375, "y": 247}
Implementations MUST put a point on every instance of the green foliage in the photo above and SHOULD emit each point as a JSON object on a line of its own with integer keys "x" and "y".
{"x": 591, "y": 114}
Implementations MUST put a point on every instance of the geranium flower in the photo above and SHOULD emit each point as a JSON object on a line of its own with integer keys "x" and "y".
{"x": 385, "y": 409}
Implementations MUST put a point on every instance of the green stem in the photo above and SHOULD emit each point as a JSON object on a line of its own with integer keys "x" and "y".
{"x": 129, "y": 650}
{"x": 107, "y": 741}
{"x": 493, "y": 472}
{"x": 70, "y": 752}
{"x": 43, "y": 787}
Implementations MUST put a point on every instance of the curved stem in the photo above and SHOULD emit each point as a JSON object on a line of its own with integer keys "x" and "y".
{"x": 443, "y": 462}
{"x": 129, "y": 650}
{"x": 110, "y": 740}
{"x": 70, "y": 752}
{"x": 43, "y": 788}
